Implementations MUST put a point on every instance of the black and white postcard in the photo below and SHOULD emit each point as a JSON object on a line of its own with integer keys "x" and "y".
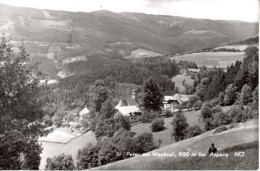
{"x": 129, "y": 84}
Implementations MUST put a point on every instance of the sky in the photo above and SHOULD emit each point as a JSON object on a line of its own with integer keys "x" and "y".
{"x": 244, "y": 10}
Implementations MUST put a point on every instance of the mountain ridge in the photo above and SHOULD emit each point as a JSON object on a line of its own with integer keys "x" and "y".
{"x": 102, "y": 38}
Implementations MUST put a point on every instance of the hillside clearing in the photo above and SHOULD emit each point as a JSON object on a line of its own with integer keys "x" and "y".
{"x": 53, "y": 149}
{"x": 210, "y": 59}
{"x": 178, "y": 80}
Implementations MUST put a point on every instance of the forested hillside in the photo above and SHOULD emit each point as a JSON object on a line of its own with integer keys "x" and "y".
{"x": 65, "y": 43}
{"x": 75, "y": 91}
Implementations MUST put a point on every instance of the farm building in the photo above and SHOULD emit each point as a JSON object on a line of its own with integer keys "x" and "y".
{"x": 171, "y": 103}
{"x": 83, "y": 112}
{"x": 129, "y": 107}
{"x": 194, "y": 70}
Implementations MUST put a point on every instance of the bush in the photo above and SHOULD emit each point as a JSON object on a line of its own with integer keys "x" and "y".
{"x": 117, "y": 147}
{"x": 233, "y": 125}
{"x": 236, "y": 114}
{"x": 220, "y": 129}
{"x": 157, "y": 124}
{"x": 145, "y": 143}
{"x": 168, "y": 114}
{"x": 180, "y": 125}
{"x": 60, "y": 162}
{"x": 220, "y": 118}
{"x": 206, "y": 112}
{"x": 148, "y": 116}
{"x": 193, "y": 131}
{"x": 197, "y": 105}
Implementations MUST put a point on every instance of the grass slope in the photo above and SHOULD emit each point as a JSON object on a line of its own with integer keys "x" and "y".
{"x": 193, "y": 117}
{"x": 248, "y": 162}
{"x": 52, "y": 149}
{"x": 246, "y": 132}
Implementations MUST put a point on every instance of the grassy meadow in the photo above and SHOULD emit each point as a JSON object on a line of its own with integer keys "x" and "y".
{"x": 232, "y": 162}
{"x": 178, "y": 80}
{"x": 210, "y": 59}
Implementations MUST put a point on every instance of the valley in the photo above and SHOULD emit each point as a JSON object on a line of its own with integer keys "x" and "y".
{"x": 111, "y": 90}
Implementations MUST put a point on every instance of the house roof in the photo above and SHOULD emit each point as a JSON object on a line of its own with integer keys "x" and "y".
{"x": 127, "y": 102}
{"x": 84, "y": 111}
{"x": 128, "y": 110}
{"x": 180, "y": 98}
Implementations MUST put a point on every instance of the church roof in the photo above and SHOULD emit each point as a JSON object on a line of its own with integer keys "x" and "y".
{"x": 84, "y": 111}
{"x": 128, "y": 110}
{"x": 127, "y": 102}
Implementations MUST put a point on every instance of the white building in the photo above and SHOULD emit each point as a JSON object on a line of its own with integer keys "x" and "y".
{"x": 171, "y": 103}
{"x": 129, "y": 107}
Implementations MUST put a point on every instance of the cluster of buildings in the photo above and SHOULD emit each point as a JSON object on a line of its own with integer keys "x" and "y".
{"x": 130, "y": 108}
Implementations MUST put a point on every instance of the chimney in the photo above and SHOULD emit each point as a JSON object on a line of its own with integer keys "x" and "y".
{"x": 133, "y": 94}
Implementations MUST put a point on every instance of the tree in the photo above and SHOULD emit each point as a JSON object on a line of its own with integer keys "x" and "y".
{"x": 248, "y": 71}
{"x": 153, "y": 98}
{"x": 100, "y": 94}
{"x": 255, "y": 98}
{"x": 107, "y": 109}
{"x": 206, "y": 112}
{"x": 108, "y": 127}
{"x": 197, "y": 105}
{"x": 57, "y": 119}
{"x": 236, "y": 114}
{"x": 157, "y": 125}
{"x": 180, "y": 125}
{"x": 192, "y": 100}
{"x": 192, "y": 131}
{"x": 220, "y": 118}
{"x": 108, "y": 151}
{"x": 87, "y": 157}
{"x": 69, "y": 117}
{"x": 85, "y": 121}
{"x": 21, "y": 110}
{"x": 230, "y": 94}
{"x": 246, "y": 94}
{"x": 47, "y": 120}
{"x": 221, "y": 98}
{"x": 202, "y": 87}
{"x": 125, "y": 142}
{"x": 60, "y": 162}
{"x": 145, "y": 143}
{"x": 148, "y": 116}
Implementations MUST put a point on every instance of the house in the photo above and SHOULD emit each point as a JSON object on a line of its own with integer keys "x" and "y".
{"x": 194, "y": 70}
{"x": 172, "y": 103}
{"x": 129, "y": 107}
{"x": 83, "y": 112}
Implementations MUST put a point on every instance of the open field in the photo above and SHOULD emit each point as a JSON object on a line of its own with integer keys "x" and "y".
{"x": 245, "y": 133}
{"x": 210, "y": 59}
{"x": 52, "y": 149}
{"x": 178, "y": 80}
{"x": 239, "y": 47}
